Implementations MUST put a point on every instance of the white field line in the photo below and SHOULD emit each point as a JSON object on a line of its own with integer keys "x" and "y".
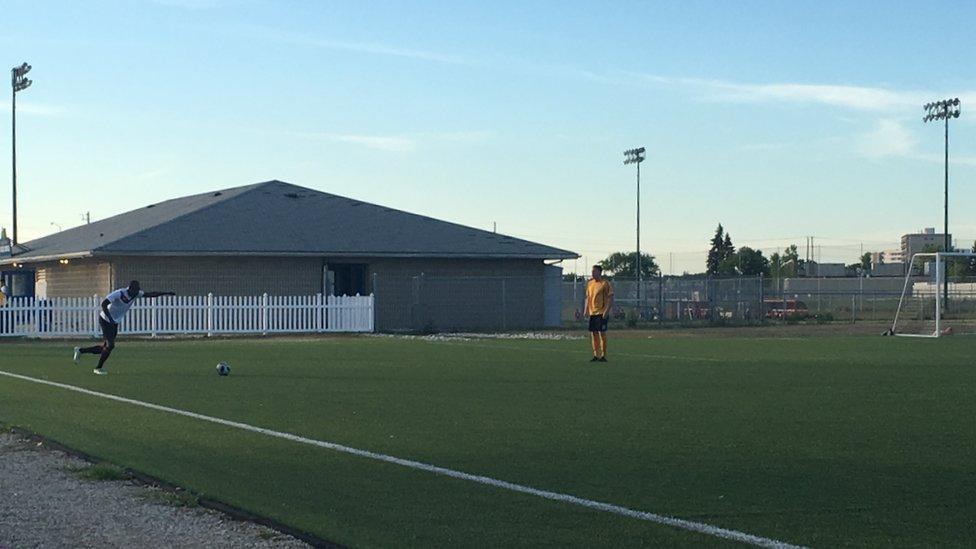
{"x": 691, "y": 526}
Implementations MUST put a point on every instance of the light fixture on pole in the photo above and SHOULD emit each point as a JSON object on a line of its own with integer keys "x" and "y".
{"x": 18, "y": 82}
{"x": 636, "y": 156}
{"x": 944, "y": 110}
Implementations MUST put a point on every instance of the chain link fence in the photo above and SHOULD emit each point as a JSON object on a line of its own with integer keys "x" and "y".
{"x": 429, "y": 304}
{"x": 748, "y": 300}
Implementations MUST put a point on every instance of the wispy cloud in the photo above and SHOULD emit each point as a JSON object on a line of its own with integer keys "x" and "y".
{"x": 378, "y": 142}
{"x": 400, "y": 143}
{"x": 888, "y": 138}
{"x": 371, "y": 48}
{"x": 861, "y": 98}
{"x": 189, "y": 4}
{"x": 40, "y": 109}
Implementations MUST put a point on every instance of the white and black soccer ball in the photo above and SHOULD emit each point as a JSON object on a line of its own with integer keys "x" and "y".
{"x": 223, "y": 369}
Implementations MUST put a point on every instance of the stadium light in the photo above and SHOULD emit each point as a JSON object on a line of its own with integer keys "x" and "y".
{"x": 18, "y": 82}
{"x": 636, "y": 156}
{"x": 944, "y": 110}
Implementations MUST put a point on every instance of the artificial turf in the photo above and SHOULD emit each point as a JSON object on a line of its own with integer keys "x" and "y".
{"x": 816, "y": 441}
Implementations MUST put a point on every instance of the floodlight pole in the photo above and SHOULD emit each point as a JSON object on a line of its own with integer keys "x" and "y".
{"x": 636, "y": 156}
{"x": 944, "y": 110}
{"x": 18, "y": 82}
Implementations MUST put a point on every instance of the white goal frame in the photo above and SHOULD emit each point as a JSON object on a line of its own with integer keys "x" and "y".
{"x": 940, "y": 280}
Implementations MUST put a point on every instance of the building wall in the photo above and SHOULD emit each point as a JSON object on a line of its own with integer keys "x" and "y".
{"x": 458, "y": 294}
{"x": 912, "y": 244}
{"x": 411, "y": 294}
{"x": 79, "y": 278}
{"x": 221, "y": 275}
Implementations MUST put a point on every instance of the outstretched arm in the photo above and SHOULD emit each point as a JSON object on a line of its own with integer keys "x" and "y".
{"x": 157, "y": 294}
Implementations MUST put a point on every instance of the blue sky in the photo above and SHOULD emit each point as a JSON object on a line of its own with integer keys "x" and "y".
{"x": 777, "y": 119}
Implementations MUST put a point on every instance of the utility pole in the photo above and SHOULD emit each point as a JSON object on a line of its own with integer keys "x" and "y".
{"x": 636, "y": 156}
{"x": 944, "y": 110}
{"x": 18, "y": 82}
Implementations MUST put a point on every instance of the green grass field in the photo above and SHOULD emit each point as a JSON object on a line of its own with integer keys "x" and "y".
{"x": 819, "y": 441}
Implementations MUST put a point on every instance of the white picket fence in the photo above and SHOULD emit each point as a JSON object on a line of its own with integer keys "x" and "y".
{"x": 207, "y": 315}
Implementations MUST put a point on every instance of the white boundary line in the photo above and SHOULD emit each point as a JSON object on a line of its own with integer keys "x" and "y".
{"x": 682, "y": 524}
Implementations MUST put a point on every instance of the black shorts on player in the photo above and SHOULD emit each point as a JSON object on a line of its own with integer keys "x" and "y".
{"x": 599, "y": 323}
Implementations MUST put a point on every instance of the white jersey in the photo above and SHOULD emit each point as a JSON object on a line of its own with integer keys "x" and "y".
{"x": 119, "y": 303}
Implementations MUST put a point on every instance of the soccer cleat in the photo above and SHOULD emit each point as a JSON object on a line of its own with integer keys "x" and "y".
{"x": 594, "y": 359}
{"x": 100, "y": 372}
{"x": 602, "y": 359}
{"x": 77, "y": 354}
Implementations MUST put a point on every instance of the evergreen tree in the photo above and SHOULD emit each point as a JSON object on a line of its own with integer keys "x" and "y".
{"x": 715, "y": 252}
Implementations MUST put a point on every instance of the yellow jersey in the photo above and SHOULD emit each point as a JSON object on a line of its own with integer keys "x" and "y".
{"x": 598, "y": 294}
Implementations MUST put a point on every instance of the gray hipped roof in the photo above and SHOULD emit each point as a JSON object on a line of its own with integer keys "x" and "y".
{"x": 278, "y": 219}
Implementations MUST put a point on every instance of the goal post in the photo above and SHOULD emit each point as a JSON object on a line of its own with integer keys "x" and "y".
{"x": 922, "y": 309}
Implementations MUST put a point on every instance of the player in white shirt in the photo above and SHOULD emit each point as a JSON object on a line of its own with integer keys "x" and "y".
{"x": 114, "y": 307}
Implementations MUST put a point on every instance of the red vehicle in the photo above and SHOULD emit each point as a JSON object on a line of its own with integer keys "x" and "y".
{"x": 785, "y": 308}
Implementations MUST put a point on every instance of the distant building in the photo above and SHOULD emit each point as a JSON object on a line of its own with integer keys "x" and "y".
{"x": 912, "y": 244}
{"x": 888, "y": 269}
{"x": 286, "y": 240}
{"x": 826, "y": 270}
{"x": 890, "y": 256}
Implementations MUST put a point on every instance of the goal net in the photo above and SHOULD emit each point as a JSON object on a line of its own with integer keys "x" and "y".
{"x": 938, "y": 297}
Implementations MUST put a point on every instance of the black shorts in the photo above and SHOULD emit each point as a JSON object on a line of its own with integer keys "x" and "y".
{"x": 109, "y": 331}
{"x": 598, "y": 323}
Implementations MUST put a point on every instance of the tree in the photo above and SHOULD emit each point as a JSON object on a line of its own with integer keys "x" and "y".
{"x": 963, "y": 266}
{"x": 776, "y": 264}
{"x": 751, "y": 262}
{"x": 715, "y": 252}
{"x": 624, "y": 265}
{"x": 866, "y": 262}
{"x": 790, "y": 262}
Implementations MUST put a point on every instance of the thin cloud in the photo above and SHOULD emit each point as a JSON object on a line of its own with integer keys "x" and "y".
{"x": 371, "y": 48}
{"x": 401, "y": 143}
{"x": 861, "y": 98}
{"x": 189, "y": 4}
{"x": 379, "y": 142}
{"x": 889, "y": 138}
{"x": 40, "y": 109}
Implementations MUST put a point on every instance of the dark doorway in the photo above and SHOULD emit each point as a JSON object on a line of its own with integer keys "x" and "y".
{"x": 348, "y": 278}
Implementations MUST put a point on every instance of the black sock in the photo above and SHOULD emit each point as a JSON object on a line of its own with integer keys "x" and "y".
{"x": 107, "y": 351}
{"x": 96, "y": 350}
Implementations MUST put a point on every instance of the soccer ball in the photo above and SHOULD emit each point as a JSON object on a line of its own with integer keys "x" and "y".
{"x": 223, "y": 369}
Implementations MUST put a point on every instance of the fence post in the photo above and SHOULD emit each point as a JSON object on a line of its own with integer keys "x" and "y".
{"x": 95, "y": 308}
{"x": 152, "y": 318}
{"x": 762, "y": 298}
{"x": 504, "y": 315}
{"x": 38, "y": 313}
{"x": 264, "y": 314}
{"x": 210, "y": 315}
{"x": 372, "y": 302}
{"x": 318, "y": 312}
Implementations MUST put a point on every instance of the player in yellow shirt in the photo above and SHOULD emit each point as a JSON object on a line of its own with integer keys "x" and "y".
{"x": 599, "y": 302}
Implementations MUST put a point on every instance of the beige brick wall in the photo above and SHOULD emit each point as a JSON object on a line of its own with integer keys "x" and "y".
{"x": 454, "y": 294}
{"x": 221, "y": 275}
{"x": 79, "y": 278}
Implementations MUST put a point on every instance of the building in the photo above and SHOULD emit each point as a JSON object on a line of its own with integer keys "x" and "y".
{"x": 912, "y": 244}
{"x": 825, "y": 270}
{"x": 282, "y": 239}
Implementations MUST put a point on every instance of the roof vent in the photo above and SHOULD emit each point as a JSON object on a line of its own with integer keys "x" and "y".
{"x": 293, "y": 195}
{"x": 151, "y": 206}
{"x": 218, "y": 194}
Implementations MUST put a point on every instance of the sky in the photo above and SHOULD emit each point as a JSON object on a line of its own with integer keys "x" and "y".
{"x": 779, "y": 120}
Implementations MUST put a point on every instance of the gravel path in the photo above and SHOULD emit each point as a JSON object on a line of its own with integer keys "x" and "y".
{"x": 44, "y": 502}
